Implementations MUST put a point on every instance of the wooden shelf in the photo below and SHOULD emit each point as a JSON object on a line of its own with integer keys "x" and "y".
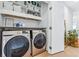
{"x": 18, "y": 14}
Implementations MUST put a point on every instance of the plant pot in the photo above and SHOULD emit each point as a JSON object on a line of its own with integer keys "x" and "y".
{"x": 77, "y": 43}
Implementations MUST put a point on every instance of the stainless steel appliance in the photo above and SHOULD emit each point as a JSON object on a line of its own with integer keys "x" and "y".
{"x": 16, "y": 44}
{"x": 38, "y": 42}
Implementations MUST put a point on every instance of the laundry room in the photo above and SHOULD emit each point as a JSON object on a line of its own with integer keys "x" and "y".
{"x": 31, "y": 28}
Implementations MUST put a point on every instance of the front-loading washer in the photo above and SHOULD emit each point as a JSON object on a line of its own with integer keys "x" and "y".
{"x": 38, "y": 42}
{"x": 16, "y": 44}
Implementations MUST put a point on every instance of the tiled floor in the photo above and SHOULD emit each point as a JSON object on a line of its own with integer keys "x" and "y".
{"x": 68, "y": 52}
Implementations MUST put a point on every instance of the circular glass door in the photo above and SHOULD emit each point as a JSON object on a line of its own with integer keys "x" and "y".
{"x": 39, "y": 41}
{"x": 16, "y": 46}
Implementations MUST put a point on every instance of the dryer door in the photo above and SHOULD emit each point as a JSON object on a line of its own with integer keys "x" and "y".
{"x": 39, "y": 41}
{"x": 16, "y": 46}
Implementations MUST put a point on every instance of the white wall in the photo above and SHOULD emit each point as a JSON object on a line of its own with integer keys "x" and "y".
{"x": 26, "y": 22}
{"x": 32, "y": 23}
{"x": 68, "y": 17}
{"x": 0, "y": 20}
{"x": 57, "y": 32}
{"x": 0, "y": 14}
{"x": 76, "y": 20}
{"x": 44, "y": 15}
{"x": 13, "y": 20}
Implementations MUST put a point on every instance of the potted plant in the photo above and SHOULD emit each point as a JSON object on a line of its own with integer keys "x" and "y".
{"x": 72, "y": 37}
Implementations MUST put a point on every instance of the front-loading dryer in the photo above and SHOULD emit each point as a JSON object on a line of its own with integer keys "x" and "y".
{"x": 16, "y": 44}
{"x": 38, "y": 42}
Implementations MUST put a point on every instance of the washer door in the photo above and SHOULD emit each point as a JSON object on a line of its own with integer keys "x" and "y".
{"x": 39, "y": 41}
{"x": 16, "y": 46}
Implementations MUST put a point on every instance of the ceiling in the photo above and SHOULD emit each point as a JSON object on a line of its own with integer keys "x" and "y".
{"x": 74, "y": 5}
